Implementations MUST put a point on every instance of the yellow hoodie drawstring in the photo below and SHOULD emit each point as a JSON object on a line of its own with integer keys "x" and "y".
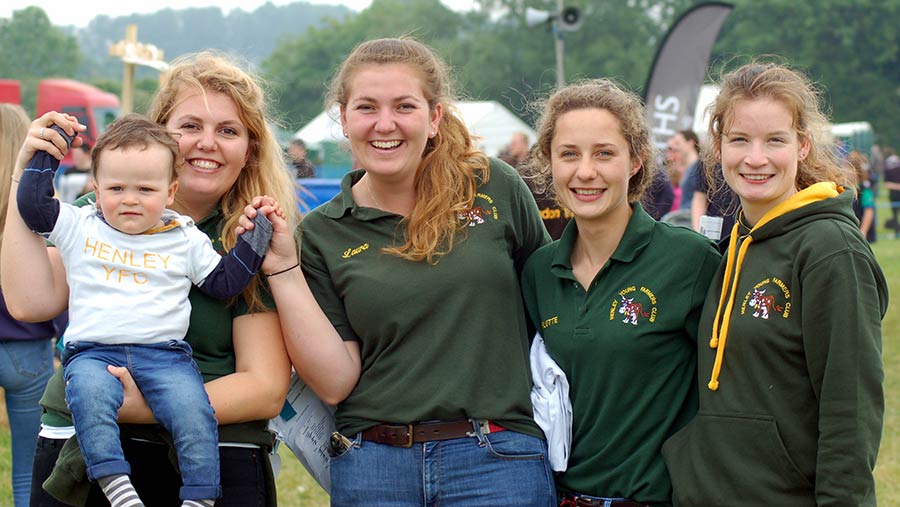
{"x": 718, "y": 342}
{"x": 813, "y": 193}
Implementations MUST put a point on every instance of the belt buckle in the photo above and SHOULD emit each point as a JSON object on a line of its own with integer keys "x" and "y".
{"x": 409, "y": 437}
{"x": 582, "y": 501}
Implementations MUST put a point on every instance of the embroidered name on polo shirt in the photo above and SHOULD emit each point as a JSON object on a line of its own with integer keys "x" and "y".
{"x": 350, "y": 252}
{"x": 552, "y": 321}
{"x": 634, "y": 305}
{"x": 768, "y": 298}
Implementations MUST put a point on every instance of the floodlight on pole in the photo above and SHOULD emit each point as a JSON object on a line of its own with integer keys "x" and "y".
{"x": 564, "y": 19}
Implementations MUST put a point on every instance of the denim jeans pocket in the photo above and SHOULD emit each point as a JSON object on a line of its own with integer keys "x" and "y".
{"x": 30, "y": 358}
{"x": 512, "y": 445}
{"x": 341, "y": 446}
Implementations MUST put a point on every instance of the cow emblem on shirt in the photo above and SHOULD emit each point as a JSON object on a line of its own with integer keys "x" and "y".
{"x": 632, "y": 311}
{"x": 473, "y": 216}
{"x": 768, "y": 298}
{"x": 635, "y": 305}
{"x": 761, "y": 302}
{"x": 478, "y": 213}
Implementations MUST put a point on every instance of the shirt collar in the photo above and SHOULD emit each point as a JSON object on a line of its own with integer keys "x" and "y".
{"x": 344, "y": 204}
{"x": 636, "y": 237}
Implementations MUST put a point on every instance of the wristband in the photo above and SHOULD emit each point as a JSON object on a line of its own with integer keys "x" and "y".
{"x": 282, "y": 271}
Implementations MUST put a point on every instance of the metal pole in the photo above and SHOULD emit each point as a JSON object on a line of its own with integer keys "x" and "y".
{"x": 560, "y": 49}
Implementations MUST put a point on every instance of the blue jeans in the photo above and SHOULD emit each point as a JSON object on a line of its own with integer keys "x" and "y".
{"x": 173, "y": 388}
{"x": 25, "y": 368}
{"x": 502, "y": 468}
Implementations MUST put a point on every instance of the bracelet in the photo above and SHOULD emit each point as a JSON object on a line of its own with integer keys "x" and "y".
{"x": 282, "y": 271}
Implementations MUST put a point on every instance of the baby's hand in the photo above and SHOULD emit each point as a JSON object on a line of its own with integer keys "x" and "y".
{"x": 282, "y": 249}
{"x": 262, "y": 204}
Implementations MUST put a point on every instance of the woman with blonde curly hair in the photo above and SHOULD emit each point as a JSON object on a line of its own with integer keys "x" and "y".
{"x": 617, "y": 298}
{"x": 217, "y": 111}
{"x": 791, "y": 412}
{"x": 423, "y": 342}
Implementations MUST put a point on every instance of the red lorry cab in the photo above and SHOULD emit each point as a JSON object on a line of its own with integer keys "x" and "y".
{"x": 92, "y": 106}
{"x": 10, "y": 91}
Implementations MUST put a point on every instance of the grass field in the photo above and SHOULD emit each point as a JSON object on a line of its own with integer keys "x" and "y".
{"x": 297, "y": 489}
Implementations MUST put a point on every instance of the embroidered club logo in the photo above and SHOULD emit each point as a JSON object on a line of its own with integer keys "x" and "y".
{"x": 762, "y": 303}
{"x": 632, "y": 311}
{"x": 474, "y": 216}
{"x": 769, "y": 298}
{"x": 477, "y": 214}
{"x": 634, "y": 305}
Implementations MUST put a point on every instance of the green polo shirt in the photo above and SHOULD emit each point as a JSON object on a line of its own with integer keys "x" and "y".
{"x": 209, "y": 334}
{"x": 628, "y": 346}
{"x": 438, "y": 341}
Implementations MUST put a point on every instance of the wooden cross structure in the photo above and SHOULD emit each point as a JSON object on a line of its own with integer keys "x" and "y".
{"x": 132, "y": 53}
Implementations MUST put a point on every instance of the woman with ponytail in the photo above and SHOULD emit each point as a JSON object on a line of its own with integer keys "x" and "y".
{"x": 421, "y": 340}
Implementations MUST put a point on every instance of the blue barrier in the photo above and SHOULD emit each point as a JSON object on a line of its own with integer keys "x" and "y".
{"x": 317, "y": 191}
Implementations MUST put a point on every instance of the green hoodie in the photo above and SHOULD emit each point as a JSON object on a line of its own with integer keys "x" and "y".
{"x": 791, "y": 411}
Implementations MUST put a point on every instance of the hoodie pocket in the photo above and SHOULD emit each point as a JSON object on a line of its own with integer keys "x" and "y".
{"x": 734, "y": 460}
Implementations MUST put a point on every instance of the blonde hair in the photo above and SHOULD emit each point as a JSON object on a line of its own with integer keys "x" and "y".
{"x": 265, "y": 172}
{"x": 13, "y": 129}
{"x": 773, "y": 81}
{"x": 602, "y": 94}
{"x": 451, "y": 168}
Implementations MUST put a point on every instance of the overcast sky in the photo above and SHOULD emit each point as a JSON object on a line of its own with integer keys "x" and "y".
{"x": 74, "y": 12}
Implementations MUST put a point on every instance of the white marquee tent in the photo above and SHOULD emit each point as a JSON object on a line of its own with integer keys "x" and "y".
{"x": 489, "y": 120}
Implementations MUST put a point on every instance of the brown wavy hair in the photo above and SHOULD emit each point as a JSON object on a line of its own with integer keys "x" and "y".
{"x": 451, "y": 168}
{"x": 774, "y": 81}
{"x": 594, "y": 94}
{"x": 134, "y": 131}
{"x": 265, "y": 172}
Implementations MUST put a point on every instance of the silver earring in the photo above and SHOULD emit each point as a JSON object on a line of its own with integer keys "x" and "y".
{"x": 345, "y": 134}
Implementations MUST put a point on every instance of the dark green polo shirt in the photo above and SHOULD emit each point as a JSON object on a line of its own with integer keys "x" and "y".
{"x": 438, "y": 342}
{"x": 627, "y": 345}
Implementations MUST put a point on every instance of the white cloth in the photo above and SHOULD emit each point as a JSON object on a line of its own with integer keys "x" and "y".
{"x": 552, "y": 407}
{"x": 129, "y": 288}
{"x": 71, "y": 185}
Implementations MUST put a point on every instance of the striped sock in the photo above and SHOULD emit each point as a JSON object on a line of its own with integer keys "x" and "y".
{"x": 198, "y": 503}
{"x": 119, "y": 491}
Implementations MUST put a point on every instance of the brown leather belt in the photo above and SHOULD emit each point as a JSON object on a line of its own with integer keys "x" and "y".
{"x": 405, "y": 435}
{"x": 580, "y": 501}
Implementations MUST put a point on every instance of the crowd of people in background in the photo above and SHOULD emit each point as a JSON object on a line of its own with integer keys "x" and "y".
{"x": 421, "y": 298}
{"x": 683, "y": 192}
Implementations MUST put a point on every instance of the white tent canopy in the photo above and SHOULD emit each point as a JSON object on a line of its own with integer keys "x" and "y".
{"x": 492, "y": 123}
